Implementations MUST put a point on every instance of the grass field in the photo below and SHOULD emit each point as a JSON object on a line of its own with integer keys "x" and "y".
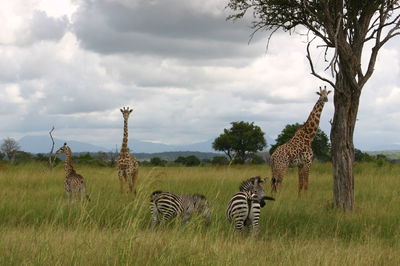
{"x": 38, "y": 226}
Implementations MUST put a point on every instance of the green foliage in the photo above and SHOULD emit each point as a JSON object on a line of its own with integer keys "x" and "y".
{"x": 23, "y": 157}
{"x": 256, "y": 159}
{"x": 188, "y": 161}
{"x": 362, "y": 156}
{"x": 379, "y": 159}
{"x": 220, "y": 160}
{"x": 192, "y": 161}
{"x": 157, "y": 161}
{"x": 181, "y": 160}
{"x": 240, "y": 140}
{"x": 320, "y": 145}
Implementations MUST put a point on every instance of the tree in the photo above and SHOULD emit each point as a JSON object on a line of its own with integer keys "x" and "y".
{"x": 219, "y": 160}
{"x": 320, "y": 145}
{"x": 181, "y": 160}
{"x": 360, "y": 156}
{"x": 241, "y": 139}
{"x": 346, "y": 28}
{"x": 254, "y": 158}
{"x": 10, "y": 148}
{"x": 192, "y": 161}
{"x": 157, "y": 161}
{"x": 22, "y": 157}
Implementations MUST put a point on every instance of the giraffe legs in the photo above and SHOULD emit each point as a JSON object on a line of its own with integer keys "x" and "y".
{"x": 132, "y": 181}
{"x": 277, "y": 178}
{"x": 304, "y": 171}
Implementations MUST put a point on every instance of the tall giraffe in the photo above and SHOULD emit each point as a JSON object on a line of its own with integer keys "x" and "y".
{"x": 74, "y": 184}
{"x": 297, "y": 151}
{"x": 128, "y": 166}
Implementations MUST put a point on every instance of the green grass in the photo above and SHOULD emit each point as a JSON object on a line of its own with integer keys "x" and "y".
{"x": 38, "y": 226}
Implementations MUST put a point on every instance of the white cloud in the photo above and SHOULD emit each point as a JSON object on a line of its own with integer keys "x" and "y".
{"x": 187, "y": 76}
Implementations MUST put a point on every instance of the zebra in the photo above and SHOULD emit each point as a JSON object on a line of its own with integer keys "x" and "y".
{"x": 165, "y": 205}
{"x": 244, "y": 207}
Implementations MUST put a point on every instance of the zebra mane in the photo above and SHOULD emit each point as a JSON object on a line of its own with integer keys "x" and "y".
{"x": 250, "y": 183}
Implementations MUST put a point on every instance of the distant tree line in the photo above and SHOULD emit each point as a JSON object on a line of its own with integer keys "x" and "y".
{"x": 231, "y": 141}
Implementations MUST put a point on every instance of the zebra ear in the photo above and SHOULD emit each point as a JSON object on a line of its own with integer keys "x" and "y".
{"x": 262, "y": 180}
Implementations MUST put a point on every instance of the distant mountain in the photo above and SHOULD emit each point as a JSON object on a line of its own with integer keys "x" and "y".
{"x": 42, "y": 144}
{"x": 173, "y": 155}
{"x": 385, "y": 147}
{"x": 138, "y": 146}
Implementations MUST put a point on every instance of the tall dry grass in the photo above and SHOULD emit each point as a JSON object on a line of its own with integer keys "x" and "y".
{"x": 39, "y": 226}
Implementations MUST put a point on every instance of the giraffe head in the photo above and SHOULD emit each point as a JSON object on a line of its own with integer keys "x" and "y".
{"x": 62, "y": 149}
{"x": 323, "y": 94}
{"x": 126, "y": 111}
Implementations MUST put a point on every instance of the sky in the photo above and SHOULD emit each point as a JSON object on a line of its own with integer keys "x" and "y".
{"x": 186, "y": 72}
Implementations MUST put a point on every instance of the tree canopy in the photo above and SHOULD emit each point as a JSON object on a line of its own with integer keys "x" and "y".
{"x": 320, "y": 145}
{"x": 351, "y": 32}
{"x": 239, "y": 141}
{"x": 10, "y": 147}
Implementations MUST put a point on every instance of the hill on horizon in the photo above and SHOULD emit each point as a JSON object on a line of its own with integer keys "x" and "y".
{"x": 42, "y": 144}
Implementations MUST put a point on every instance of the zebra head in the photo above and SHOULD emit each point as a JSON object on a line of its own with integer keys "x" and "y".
{"x": 202, "y": 206}
{"x": 254, "y": 185}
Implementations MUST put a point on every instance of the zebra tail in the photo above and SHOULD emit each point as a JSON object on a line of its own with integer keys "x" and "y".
{"x": 268, "y": 198}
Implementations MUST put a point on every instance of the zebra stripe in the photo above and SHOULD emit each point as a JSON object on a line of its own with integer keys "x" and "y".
{"x": 165, "y": 206}
{"x": 244, "y": 210}
{"x": 244, "y": 207}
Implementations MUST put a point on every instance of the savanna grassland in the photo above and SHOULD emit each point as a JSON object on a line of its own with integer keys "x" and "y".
{"x": 38, "y": 226}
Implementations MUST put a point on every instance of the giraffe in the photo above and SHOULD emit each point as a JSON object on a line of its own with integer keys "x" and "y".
{"x": 128, "y": 166}
{"x": 74, "y": 184}
{"x": 297, "y": 151}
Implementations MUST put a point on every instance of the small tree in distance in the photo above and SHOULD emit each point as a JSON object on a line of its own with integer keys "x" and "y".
{"x": 240, "y": 141}
{"x": 320, "y": 145}
{"x": 10, "y": 148}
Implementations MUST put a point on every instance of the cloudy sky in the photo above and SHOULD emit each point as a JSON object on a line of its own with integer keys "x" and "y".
{"x": 184, "y": 69}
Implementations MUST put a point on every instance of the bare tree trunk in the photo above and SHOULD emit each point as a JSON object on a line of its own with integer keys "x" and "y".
{"x": 51, "y": 161}
{"x": 346, "y": 102}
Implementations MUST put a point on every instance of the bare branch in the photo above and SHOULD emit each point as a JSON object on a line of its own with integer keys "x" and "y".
{"x": 51, "y": 161}
{"x": 312, "y": 66}
{"x": 379, "y": 42}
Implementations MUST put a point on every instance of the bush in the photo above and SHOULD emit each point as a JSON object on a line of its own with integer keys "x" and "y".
{"x": 192, "y": 161}
{"x": 256, "y": 159}
{"x": 157, "y": 161}
{"x": 220, "y": 160}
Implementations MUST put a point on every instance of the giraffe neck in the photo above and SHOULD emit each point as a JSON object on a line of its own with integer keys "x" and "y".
{"x": 124, "y": 147}
{"x": 310, "y": 127}
{"x": 68, "y": 162}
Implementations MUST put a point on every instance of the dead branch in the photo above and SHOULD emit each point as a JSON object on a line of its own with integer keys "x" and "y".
{"x": 51, "y": 161}
{"x": 312, "y": 67}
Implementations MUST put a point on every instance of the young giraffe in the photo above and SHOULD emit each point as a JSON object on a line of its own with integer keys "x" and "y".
{"x": 128, "y": 166}
{"x": 74, "y": 183}
{"x": 297, "y": 151}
